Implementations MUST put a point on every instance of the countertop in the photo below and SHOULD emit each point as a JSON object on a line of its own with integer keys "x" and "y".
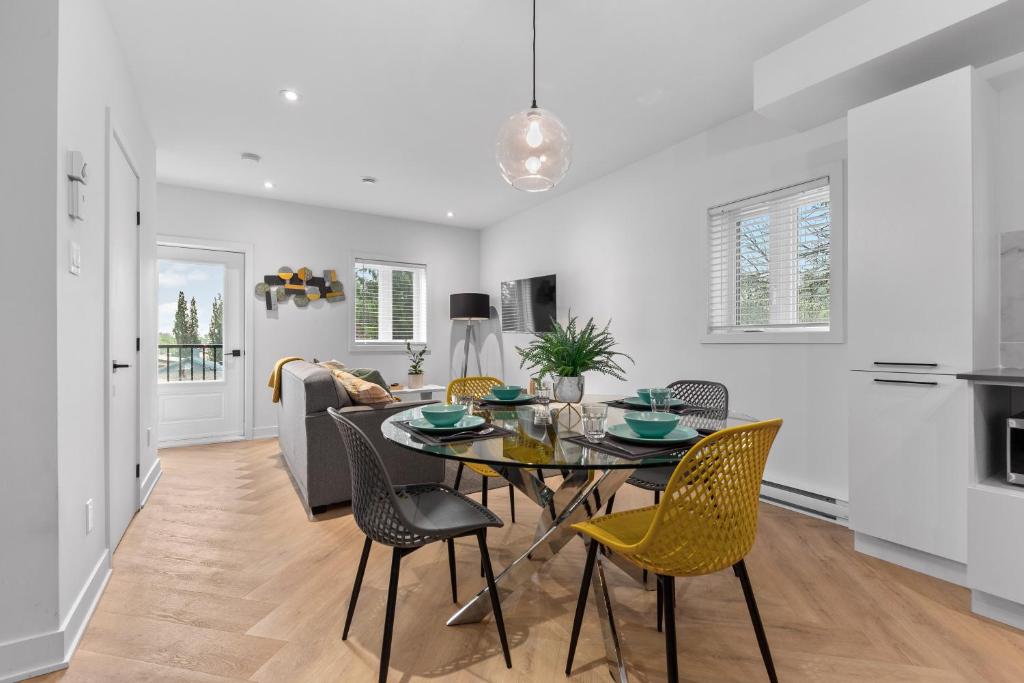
{"x": 995, "y": 375}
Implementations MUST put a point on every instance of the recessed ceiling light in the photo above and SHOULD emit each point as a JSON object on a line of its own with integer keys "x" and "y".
{"x": 451, "y": 214}
{"x": 251, "y": 156}
{"x": 369, "y": 180}
{"x": 268, "y": 185}
{"x": 290, "y": 95}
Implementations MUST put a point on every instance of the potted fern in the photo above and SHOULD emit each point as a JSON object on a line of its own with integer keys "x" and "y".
{"x": 415, "y": 365}
{"x": 566, "y": 352}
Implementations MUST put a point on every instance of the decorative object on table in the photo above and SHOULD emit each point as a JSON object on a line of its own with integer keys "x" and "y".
{"x": 469, "y": 306}
{"x": 301, "y": 285}
{"x": 533, "y": 150}
{"x": 415, "y": 365}
{"x": 407, "y": 518}
{"x": 685, "y": 536}
{"x": 567, "y": 351}
{"x": 595, "y": 421}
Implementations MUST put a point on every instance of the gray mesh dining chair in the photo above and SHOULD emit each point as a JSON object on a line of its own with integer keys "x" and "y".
{"x": 406, "y": 518}
{"x": 713, "y": 400}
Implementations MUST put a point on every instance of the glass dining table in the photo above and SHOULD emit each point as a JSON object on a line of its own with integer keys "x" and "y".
{"x": 540, "y": 443}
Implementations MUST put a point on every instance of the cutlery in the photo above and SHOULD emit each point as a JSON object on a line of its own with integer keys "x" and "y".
{"x": 461, "y": 435}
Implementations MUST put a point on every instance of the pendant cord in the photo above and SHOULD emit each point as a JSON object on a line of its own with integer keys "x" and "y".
{"x": 534, "y": 105}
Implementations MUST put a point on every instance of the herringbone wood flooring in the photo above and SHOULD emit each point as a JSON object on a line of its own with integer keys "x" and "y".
{"x": 223, "y": 578}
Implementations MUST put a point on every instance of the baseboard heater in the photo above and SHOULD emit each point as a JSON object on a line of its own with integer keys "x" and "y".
{"x": 807, "y": 502}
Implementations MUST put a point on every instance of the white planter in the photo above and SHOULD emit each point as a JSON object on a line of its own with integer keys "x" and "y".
{"x": 568, "y": 389}
{"x": 415, "y": 381}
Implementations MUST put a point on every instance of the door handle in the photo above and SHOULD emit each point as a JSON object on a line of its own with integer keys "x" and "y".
{"x": 120, "y": 365}
{"x": 236, "y": 352}
{"x": 906, "y": 381}
{"x": 908, "y": 365}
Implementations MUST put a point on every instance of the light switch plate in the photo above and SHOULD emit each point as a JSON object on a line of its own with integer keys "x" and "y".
{"x": 74, "y": 258}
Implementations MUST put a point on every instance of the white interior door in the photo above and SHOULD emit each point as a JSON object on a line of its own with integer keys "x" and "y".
{"x": 201, "y": 378}
{"x": 123, "y": 321}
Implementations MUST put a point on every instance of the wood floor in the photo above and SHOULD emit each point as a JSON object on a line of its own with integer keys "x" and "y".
{"x": 222, "y": 578}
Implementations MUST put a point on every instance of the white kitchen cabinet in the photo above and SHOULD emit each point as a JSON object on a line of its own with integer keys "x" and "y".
{"x": 995, "y": 554}
{"x": 910, "y": 228}
{"x": 908, "y": 460}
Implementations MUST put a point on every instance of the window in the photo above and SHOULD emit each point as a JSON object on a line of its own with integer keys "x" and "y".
{"x": 771, "y": 265}
{"x": 390, "y": 303}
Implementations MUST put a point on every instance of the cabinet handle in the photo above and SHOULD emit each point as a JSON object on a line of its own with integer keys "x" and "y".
{"x": 906, "y": 381}
{"x": 909, "y": 365}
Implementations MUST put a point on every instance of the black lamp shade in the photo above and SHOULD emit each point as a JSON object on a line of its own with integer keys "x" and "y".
{"x": 470, "y": 306}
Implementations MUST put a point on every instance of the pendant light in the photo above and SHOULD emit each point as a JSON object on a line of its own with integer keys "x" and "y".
{"x": 533, "y": 145}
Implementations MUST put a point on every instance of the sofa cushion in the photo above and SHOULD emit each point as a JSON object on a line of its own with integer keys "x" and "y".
{"x": 312, "y": 387}
{"x": 361, "y": 391}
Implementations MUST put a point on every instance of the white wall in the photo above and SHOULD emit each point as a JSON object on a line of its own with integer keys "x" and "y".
{"x": 93, "y": 76}
{"x": 28, "y": 423}
{"x": 629, "y": 247}
{"x": 296, "y": 235}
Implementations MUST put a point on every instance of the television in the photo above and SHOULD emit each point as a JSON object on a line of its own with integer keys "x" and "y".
{"x": 528, "y": 305}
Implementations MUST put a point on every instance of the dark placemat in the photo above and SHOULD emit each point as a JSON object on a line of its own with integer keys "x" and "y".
{"x": 439, "y": 440}
{"x": 506, "y": 406}
{"x": 678, "y": 410}
{"x": 630, "y": 451}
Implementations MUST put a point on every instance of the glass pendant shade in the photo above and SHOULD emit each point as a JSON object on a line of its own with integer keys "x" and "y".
{"x": 533, "y": 150}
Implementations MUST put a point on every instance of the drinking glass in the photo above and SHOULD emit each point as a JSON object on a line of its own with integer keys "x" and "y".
{"x": 659, "y": 400}
{"x": 466, "y": 400}
{"x": 543, "y": 391}
{"x": 595, "y": 420}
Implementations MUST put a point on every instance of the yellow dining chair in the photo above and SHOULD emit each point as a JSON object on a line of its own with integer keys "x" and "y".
{"x": 478, "y": 387}
{"x": 706, "y": 521}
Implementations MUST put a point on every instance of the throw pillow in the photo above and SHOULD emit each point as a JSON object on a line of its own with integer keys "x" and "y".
{"x": 361, "y": 392}
{"x": 370, "y": 375}
{"x": 331, "y": 364}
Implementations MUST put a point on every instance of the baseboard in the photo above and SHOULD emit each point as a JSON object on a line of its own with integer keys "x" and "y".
{"x": 149, "y": 482}
{"x": 265, "y": 432}
{"x": 917, "y": 560}
{"x": 997, "y": 608}
{"x": 806, "y": 502}
{"x": 202, "y": 441}
{"x": 46, "y": 652}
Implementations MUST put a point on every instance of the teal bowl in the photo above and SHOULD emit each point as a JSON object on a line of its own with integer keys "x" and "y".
{"x": 443, "y": 415}
{"x": 651, "y": 425}
{"x": 644, "y": 395}
{"x": 507, "y": 393}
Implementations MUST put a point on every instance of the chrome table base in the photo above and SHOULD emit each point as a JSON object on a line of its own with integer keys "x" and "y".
{"x": 582, "y": 495}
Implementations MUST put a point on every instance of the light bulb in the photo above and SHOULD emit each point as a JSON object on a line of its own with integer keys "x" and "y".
{"x": 534, "y": 138}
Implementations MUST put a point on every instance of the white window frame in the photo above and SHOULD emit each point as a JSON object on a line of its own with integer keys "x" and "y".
{"x": 836, "y": 331}
{"x": 385, "y": 346}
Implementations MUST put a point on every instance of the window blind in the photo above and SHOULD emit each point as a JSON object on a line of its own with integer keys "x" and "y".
{"x": 390, "y": 302}
{"x": 770, "y": 260}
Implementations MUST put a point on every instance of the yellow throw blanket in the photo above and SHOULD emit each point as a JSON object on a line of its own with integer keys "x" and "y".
{"x": 275, "y": 377}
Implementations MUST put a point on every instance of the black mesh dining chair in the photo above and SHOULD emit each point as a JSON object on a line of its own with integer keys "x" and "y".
{"x": 406, "y": 518}
{"x": 712, "y": 398}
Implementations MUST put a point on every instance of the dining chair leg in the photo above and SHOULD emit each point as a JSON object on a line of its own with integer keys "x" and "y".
{"x": 668, "y": 593}
{"x": 581, "y": 603}
{"x": 451, "y": 570}
{"x": 755, "y": 618}
{"x": 492, "y": 589}
{"x": 657, "y": 497}
{"x": 356, "y": 586}
{"x": 661, "y": 605}
{"x": 458, "y": 476}
{"x": 389, "y": 615}
{"x": 512, "y": 501}
{"x": 483, "y": 491}
{"x": 611, "y": 504}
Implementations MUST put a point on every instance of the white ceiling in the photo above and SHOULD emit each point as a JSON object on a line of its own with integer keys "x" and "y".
{"x": 413, "y": 91}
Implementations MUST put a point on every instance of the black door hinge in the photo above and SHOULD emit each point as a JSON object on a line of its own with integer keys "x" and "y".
{"x": 138, "y": 218}
{"x": 138, "y": 344}
{"x": 136, "y": 470}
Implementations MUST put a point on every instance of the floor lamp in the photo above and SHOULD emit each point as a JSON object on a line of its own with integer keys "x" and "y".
{"x": 469, "y": 307}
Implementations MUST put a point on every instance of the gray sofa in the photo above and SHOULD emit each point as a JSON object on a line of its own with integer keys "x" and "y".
{"x": 312, "y": 446}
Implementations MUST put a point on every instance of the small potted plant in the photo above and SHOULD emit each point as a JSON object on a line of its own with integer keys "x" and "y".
{"x": 415, "y": 365}
{"x": 566, "y": 352}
